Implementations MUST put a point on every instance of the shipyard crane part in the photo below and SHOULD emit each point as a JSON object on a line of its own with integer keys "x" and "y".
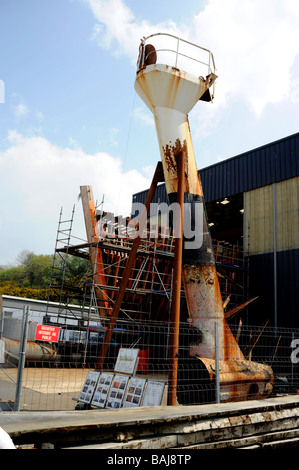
{"x": 168, "y": 88}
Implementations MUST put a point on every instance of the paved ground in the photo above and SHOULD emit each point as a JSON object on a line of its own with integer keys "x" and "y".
{"x": 43, "y": 388}
{"x": 49, "y": 389}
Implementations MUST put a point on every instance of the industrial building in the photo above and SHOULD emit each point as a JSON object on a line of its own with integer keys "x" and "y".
{"x": 252, "y": 203}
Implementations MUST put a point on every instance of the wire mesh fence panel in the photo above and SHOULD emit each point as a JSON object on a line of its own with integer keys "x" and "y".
{"x": 8, "y": 381}
{"x": 55, "y": 382}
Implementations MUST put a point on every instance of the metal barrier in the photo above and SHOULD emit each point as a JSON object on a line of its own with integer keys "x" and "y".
{"x": 162, "y": 48}
{"x": 56, "y": 384}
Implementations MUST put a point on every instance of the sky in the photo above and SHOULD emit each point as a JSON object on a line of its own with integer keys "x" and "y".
{"x": 69, "y": 114}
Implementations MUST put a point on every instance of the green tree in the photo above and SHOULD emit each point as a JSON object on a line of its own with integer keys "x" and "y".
{"x": 31, "y": 275}
{"x": 31, "y": 270}
{"x": 36, "y": 268}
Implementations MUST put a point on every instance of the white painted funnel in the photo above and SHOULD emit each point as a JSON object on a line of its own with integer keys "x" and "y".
{"x": 170, "y": 94}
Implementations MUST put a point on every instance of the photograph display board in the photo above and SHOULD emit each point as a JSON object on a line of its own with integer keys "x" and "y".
{"x": 127, "y": 360}
{"x": 154, "y": 393}
{"x": 89, "y": 386}
{"x": 117, "y": 391}
{"x": 134, "y": 392}
{"x": 102, "y": 389}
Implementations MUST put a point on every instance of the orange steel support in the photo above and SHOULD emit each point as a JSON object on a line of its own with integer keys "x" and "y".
{"x": 177, "y": 282}
{"x": 158, "y": 177}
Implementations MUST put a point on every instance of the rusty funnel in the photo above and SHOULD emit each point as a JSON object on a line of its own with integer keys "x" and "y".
{"x": 172, "y": 76}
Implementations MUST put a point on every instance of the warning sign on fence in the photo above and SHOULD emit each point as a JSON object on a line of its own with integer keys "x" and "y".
{"x": 47, "y": 333}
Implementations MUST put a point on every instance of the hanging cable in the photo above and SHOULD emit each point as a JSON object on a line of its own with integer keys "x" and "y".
{"x": 126, "y": 149}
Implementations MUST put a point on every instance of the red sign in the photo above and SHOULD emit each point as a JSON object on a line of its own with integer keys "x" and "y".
{"x": 47, "y": 333}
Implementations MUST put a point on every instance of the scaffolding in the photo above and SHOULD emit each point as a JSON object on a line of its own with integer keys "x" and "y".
{"x": 149, "y": 290}
{"x": 147, "y": 300}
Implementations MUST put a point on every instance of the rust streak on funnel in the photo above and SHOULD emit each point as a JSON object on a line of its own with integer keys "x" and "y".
{"x": 170, "y": 93}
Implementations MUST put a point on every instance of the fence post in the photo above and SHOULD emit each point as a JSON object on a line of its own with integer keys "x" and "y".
{"x": 22, "y": 354}
{"x": 217, "y": 363}
{"x": 1, "y": 317}
{"x": 292, "y": 364}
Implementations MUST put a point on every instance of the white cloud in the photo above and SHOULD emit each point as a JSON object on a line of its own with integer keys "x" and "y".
{"x": 14, "y": 136}
{"x": 294, "y": 93}
{"x": 40, "y": 177}
{"x": 56, "y": 173}
{"x": 20, "y": 110}
{"x": 74, "y": 144}
{"x": 144, "y": 115}
{"x": 118, "y": 30}
{"x": 149, "y": 171}
{"x": 113, "y": 132}
{"x": 254, "y": 43}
